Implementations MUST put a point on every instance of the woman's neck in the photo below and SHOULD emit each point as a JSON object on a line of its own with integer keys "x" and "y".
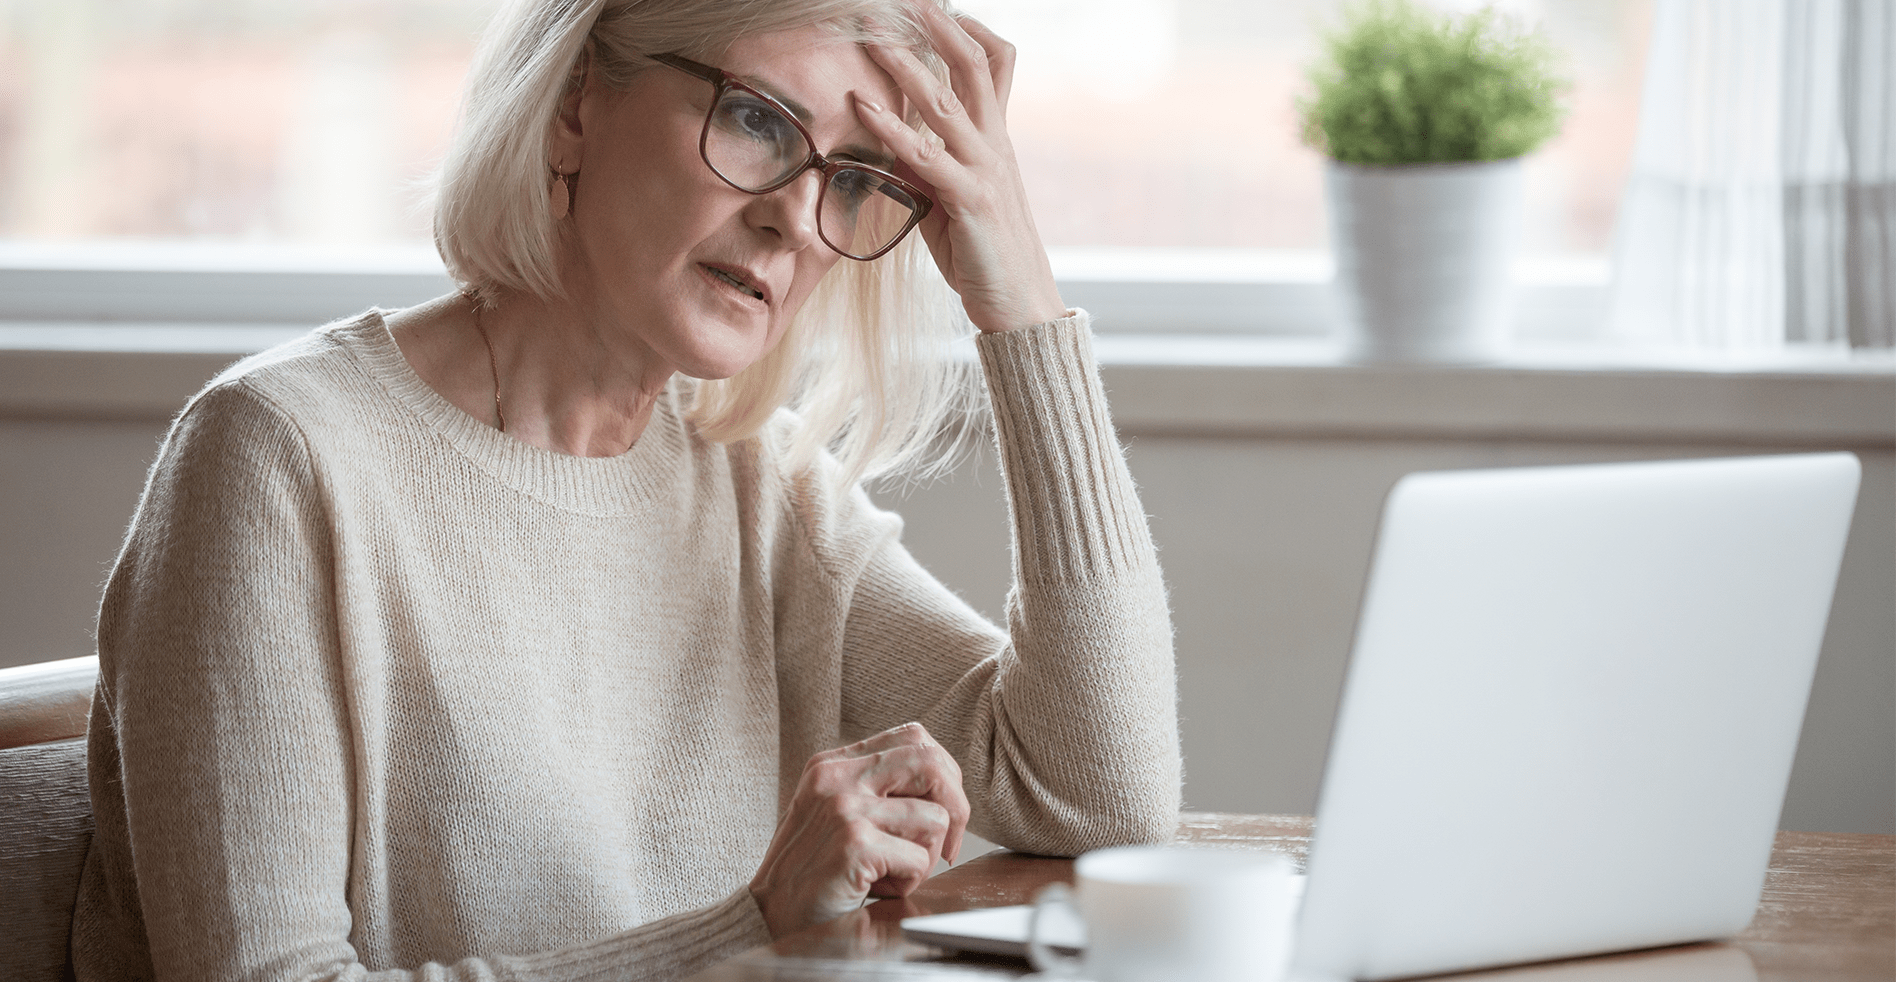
{"x": 565, "y": 383}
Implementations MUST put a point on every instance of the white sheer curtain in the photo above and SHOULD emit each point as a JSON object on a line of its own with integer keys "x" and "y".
{"x": 1762, "y": 206}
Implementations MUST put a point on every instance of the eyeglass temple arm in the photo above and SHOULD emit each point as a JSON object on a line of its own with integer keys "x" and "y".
{"x": 706, "y": 72}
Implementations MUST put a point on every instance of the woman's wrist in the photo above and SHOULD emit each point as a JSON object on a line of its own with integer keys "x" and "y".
{"x": 1047, "y": 309}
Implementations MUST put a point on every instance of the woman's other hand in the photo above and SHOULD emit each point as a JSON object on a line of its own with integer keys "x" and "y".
{"x": 981, "y": 232}
{"x": 869, "y": 819}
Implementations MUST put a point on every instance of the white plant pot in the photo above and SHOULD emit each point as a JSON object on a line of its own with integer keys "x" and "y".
{"x": 1422, "y": 257}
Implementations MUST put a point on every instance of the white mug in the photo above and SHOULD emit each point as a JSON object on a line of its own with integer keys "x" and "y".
{"x": 1163, "y": 913}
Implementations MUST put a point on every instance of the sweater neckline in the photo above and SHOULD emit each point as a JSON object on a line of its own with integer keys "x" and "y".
{"x": 590, "y": 485}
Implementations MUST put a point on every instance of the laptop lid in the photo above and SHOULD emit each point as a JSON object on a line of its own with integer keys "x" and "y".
{"x": 1572, "y": 706}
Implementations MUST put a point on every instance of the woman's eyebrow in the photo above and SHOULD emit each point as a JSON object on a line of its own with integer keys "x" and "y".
{"x": 796, "y": 108}
{"x": 874, "y": 158}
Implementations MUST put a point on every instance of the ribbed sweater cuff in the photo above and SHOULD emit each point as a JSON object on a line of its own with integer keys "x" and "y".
{"x": 671, "y": 948}
{"x": 1076, "y": 514}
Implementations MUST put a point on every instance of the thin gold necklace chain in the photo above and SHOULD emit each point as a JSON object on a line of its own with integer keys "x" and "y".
{"x": 493, "y": 364}
{"x": 493, "y": 367}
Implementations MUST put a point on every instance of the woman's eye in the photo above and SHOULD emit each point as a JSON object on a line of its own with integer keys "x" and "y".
{"x": 755, "y": 120}
{"x": 853, "y": 185}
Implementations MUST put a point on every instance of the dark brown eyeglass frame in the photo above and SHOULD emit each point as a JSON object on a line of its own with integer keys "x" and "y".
{"x": 720, "y": 81}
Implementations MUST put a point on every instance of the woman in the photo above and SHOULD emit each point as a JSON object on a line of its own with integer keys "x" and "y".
{"x": 522, "y": 634}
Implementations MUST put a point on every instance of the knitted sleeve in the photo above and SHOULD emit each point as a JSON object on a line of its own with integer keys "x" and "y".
{"x": 222, "y": 758}
{"x": 1066, "y": 727}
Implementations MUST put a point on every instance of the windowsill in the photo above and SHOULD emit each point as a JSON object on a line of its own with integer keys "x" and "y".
{"x": 1206, "y": 385}
{"x": 1531, "y": 356}
{"x": 1257, "y": 387}
{"x": 1210, "y": 342}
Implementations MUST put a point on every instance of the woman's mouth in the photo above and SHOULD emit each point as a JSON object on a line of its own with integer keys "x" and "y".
{"x": 730, "y": 278}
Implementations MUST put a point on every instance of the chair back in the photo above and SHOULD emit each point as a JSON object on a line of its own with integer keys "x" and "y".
{"x": 45, "y": 814}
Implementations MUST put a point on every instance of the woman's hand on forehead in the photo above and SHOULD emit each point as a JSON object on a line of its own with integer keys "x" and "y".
{"x": 982, "y": 231}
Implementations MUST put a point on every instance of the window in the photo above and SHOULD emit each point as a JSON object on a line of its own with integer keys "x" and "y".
{"x": 268, "y": 121}
{"x": 1158, "y": 137}
{"x": 1182, "y": 113}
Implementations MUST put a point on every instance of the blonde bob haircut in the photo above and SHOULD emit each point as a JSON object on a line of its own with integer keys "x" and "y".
{"x": 866, "y": 363}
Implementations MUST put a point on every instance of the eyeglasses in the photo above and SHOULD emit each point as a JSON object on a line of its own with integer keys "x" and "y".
{"x": 755, "y": 144}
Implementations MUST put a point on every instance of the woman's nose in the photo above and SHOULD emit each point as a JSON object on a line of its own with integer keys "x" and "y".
{"x": 790, "y": 211}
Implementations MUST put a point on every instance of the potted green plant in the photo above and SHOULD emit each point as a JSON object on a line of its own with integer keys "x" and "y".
{"x": 1425, "y": 116}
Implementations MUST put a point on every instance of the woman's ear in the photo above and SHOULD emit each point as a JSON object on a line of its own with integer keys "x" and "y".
{"x": 568, "y": 128}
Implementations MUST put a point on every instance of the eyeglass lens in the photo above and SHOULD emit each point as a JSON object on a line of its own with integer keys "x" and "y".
{"x": 752, "y": 145}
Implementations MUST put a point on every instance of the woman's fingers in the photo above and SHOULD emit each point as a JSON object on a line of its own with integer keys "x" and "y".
{"x": 1000, "y": 58}
{"x": 917, "y": 159}
{"x": 920, "y": 824}
{"x": 906, "y": 735}
{"x": 982, "y": 232}
{"x": 939, "y": 105}
{"x": 868, "y": 841}
{"x": 930, "y": 165}
{"x": 927, "y": 772}
{"x": 827, "y": 868}
{"x": 904, "y": 762}
{"x": 969, "y": 74}
{"x": 870, "y": 818}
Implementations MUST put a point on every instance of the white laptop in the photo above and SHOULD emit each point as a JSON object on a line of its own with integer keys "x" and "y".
{"x": 1573, "y": 701}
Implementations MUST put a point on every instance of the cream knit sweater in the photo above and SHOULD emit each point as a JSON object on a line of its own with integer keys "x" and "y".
{"x": 387, "y": 694}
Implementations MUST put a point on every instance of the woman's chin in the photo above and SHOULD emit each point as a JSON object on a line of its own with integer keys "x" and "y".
{"x": 712, "y": 366}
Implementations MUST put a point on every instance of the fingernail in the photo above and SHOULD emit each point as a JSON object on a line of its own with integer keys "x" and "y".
{"x": 873, "y": 106}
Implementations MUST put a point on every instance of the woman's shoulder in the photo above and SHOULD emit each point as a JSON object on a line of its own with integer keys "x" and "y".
{"x": 317, "y": 367}
{"x": 267, "y": 407}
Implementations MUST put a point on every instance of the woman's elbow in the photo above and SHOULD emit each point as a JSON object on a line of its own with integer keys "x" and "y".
{"x": 1146, "y": 819}
{"x": 1145, "y": 815}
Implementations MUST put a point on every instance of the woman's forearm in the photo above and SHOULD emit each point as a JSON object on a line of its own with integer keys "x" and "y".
{"x": 1066, "y": 728}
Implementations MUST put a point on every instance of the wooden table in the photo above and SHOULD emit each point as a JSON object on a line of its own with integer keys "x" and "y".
{"x": 1828, "y": 913}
